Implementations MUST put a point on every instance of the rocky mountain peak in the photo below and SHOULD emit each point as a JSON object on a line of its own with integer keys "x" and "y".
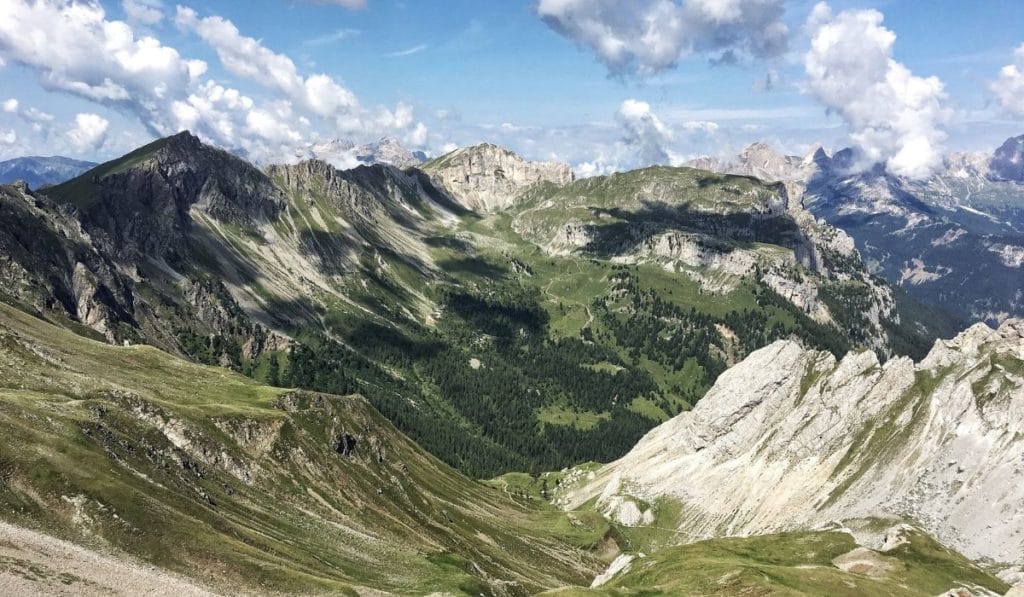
{"x": 489, "y": 178}
{"x": 344, "y": 154}
{"x": 1008, "y": 161}
{"x": 389, "y": 151}
{"x": 140, "y": 203}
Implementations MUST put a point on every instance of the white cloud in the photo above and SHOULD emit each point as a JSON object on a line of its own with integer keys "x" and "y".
{"x": 89, "y": 132}
{"x": 8, "y": 137}
{"x": 645, "y": 132}
{"x": 143, "y": 12}
{"x": 408, "y": 51}
{"x": 893, "y": 117}
{"x": 644, "y": 37}
{"x": 1009, "y": 87}
{"x": 39, "y": 121}
{"x": 332, "y": 37}
{"x": 36, "y": 116}
{"x": 701, "y": 126}
{"x": 417, "y": 137}
{"x": 319, "y": 95}
{"x": 75, "y": 49}
{"x": 349, "y": 4}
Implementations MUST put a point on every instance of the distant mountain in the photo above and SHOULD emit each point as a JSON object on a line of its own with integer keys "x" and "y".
{"x": 41, "y": 171}
{"x": 955, "y": 240}
{"x": 488, "y": 178}
{"x": 1008, "y": 161}
{"x": 344, "y": 154}
{"x": 389, "y": 151}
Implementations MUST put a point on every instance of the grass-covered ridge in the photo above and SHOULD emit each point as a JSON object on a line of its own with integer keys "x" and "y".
{"x": 202, "y": 471}
{"x": 799, "y": 563}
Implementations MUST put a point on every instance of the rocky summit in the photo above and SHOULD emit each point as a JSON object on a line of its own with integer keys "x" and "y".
{"x": 487, "y": 178}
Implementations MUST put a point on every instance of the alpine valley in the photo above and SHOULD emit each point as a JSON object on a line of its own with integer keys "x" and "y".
{"x": 401, "y": 377}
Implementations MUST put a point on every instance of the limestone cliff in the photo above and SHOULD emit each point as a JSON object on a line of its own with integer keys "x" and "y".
{"x": 793, "y": 439}
{"x": 489, "y": 178}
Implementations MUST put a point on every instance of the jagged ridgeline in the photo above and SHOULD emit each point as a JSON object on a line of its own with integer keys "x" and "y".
{"x": 501, "y": 314}
{"x": 793, "y": 439}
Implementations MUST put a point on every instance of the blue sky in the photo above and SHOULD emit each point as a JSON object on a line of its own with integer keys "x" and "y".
{"x": 438, "y": 74}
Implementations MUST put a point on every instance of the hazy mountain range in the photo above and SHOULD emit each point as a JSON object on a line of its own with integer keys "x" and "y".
{"x": 41, "y": 171}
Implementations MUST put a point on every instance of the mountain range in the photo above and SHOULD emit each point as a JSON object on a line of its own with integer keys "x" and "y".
{"x": 955, "y": 240}
{"x": 284, "y": 379}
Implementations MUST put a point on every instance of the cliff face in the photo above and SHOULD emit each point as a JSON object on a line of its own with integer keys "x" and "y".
{"x": 718, "y": 230}
{"x": 488, "y": 178}
{"x": 792, "y": 439}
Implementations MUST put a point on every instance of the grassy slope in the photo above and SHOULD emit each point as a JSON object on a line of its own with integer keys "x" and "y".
{"x": 202, "y": 471}
{"x": 794, "y": 564}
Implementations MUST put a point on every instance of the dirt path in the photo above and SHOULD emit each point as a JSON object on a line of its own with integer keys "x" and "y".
{"x": 32, "y": 563}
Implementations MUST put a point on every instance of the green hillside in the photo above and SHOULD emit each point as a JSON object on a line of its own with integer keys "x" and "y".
{"x": 241, "y": 486}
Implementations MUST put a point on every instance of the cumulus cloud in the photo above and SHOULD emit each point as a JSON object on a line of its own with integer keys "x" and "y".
{"x": 1009, "y": 87}
{"x": 417, "y": 137}
{"x": 894, "y": 117}
{"x": 89, "y": 132}
{"x": 644, "y": 37}
{"x": 74, "y": 48}
{"x": 143, "y": 12}
{"x": 39, "y": 121}
{"x": 645, "y": 132}
{"x": 8, "y": 137}
{"x": 318, "y": 94}
{"x": 349, "y": 4}
{"x": 701, "y": 126}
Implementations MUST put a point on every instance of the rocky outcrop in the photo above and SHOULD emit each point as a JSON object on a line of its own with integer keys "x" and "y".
{"x": 793, "y": 439}
{"x": 488, "y": 178}
{"x": 48, "y": 263}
